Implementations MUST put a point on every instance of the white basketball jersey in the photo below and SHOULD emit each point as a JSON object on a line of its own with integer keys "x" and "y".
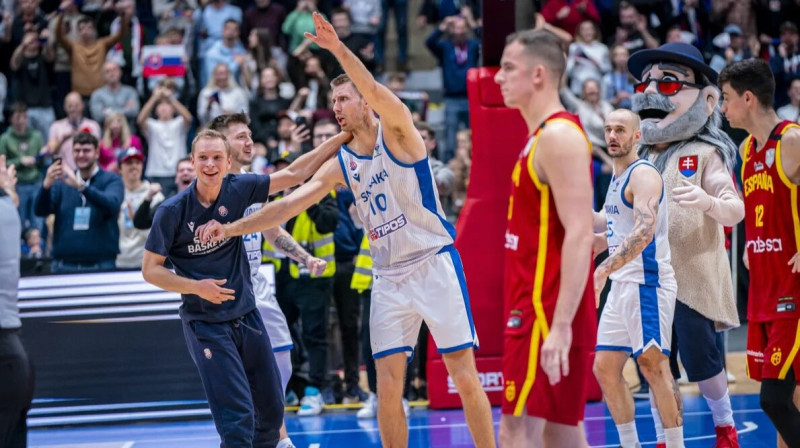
{"x": 398, "y": 204}
{"x": 252, "y": 243}
{"x": 652, "y": 267}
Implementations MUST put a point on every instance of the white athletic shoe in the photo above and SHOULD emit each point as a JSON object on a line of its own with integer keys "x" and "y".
{"x": 370, "y": 409}
{"x": 311, "y": 404}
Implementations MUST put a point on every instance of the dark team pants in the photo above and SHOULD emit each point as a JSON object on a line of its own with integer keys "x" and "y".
{"x": 241, "y": 379}
{"x": 308, "y": 299}
{"x": 695, "y": 337}
{"x": 16, "y": 390}
{"x": 348, "y": 307}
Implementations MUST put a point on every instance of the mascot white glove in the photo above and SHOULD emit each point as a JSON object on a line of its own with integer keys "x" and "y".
{"x": 689, "y": 195}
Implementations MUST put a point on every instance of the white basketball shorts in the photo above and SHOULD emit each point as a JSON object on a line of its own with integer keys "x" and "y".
{"x": 434, "y": 291}
{"x": 637, "y": 317}
{"x": 271, "y": 314}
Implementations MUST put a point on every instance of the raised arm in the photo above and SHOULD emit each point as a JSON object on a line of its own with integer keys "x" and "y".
{"x": 382, "y": 100}
{"x": 646, "y": 188}
{"x": 147, "y": 111}
{"x": 61, "y": 39}
{"x": 563, "y": 163}
{"x": 307, "y": 164}
{"x": 274, "y": 213}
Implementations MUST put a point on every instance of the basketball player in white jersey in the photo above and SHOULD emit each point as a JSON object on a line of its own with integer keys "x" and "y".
{"x": 235, "y": 128}
{"x": 637, "y": 319}
{"x": 418, "y": 273}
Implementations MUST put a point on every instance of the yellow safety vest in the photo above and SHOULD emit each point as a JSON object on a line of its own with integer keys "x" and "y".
{"x": 362, "y": 276}
{"x": 319, "y": 245}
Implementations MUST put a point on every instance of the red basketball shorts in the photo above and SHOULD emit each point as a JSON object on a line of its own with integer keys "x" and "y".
{"x": 772, "y": 349}
{"x": 527, "y": 390}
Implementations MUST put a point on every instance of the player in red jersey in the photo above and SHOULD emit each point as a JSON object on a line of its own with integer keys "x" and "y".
{"x": 549, "y": 302}
{"x": 770, "y": 176}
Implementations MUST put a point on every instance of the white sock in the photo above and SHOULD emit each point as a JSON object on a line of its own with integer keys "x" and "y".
{"x": 285, "y": 443}
{"x": 628, "y": 438}
{"x": 660, "y": 437}
{"x": 721, "y": 410}
{"x": 674, "y": 437}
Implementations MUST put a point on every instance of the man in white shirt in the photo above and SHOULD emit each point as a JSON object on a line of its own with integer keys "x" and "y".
{"x": 166, "y": 135}
{"x": 131, "y": 239}
{"x": 791, "y": 111}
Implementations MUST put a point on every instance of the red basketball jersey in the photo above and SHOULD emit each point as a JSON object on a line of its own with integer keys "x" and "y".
{"x": 533, "y": 249}
{"x": 772, "y": 228}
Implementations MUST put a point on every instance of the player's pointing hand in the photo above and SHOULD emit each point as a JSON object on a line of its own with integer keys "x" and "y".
{"x": 325, "y": 34}
{"x": 211, "y": 290}
{"x": 210, "y": 232}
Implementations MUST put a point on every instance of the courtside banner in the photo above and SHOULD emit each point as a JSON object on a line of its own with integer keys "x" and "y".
{"x": 163, "y": 60}
{"x": 108, "y": 347}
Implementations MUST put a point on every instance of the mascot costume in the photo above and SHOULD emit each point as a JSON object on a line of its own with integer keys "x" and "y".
{"x": 677, "y": 100}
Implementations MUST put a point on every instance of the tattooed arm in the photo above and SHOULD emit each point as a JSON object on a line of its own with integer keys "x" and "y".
{"x": 282, "y": 241}
{"x": 645, "y": 188}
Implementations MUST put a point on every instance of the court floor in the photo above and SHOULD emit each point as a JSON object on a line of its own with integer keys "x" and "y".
{"x": 427, "y": 429}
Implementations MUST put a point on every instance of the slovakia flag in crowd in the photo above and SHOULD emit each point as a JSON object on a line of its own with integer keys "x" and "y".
{"x": 163, "y": 60}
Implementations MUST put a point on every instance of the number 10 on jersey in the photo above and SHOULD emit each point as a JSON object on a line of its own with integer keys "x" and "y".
{"x": 378, "y": 201}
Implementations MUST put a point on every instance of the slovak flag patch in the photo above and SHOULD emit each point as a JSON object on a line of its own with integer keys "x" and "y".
{"x": 687, "y": 165}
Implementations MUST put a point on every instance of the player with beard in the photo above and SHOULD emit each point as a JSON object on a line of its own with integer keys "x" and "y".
{"x": 637, "y": 319}
{"x": 418, "y": 272}
{"x": 682, "y": 136}
{"x": 224, "y": 332}
{"x": 236, "y": 128}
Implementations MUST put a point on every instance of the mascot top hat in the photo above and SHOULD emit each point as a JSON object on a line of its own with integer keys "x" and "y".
{"x": 678, "y": 52}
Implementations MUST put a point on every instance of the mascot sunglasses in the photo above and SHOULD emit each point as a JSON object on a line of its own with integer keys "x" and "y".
{"x": 666, "y": 87}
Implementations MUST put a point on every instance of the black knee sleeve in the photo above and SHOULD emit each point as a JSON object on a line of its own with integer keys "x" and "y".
{"x": 776, "y": 401}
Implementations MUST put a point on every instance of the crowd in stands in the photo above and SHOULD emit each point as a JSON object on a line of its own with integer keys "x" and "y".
{"x": 100, "y": 98}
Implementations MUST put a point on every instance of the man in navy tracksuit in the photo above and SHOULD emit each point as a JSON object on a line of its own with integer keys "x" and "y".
{"x": 224, "y": 332}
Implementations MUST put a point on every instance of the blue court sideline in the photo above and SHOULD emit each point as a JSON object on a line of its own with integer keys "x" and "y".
{"x": 427, "y": 429}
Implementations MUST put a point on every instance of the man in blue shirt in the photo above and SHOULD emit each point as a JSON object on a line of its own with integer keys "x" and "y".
{"x": 86, "y": 204}
{"x": 223, "y": 330}
{"x": 456, "y": 53}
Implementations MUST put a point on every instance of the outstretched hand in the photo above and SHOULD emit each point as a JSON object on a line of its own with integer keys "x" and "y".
{"x": 689, "y": 195}
{"x": 325, "y": 34}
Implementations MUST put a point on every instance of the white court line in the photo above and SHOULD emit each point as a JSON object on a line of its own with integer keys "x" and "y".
{"x": 450, "y": 425}
{"x": 128, "y": 445}
{"x": 748, "y": 427}
{"x": 314, "y": 445}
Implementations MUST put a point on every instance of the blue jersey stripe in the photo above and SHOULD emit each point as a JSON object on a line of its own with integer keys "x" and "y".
{"x": 344, "y": 169}
{"x": 426, "y": 188}
{"x": 650, "y": 265}
{"x": 651, "y": 324}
